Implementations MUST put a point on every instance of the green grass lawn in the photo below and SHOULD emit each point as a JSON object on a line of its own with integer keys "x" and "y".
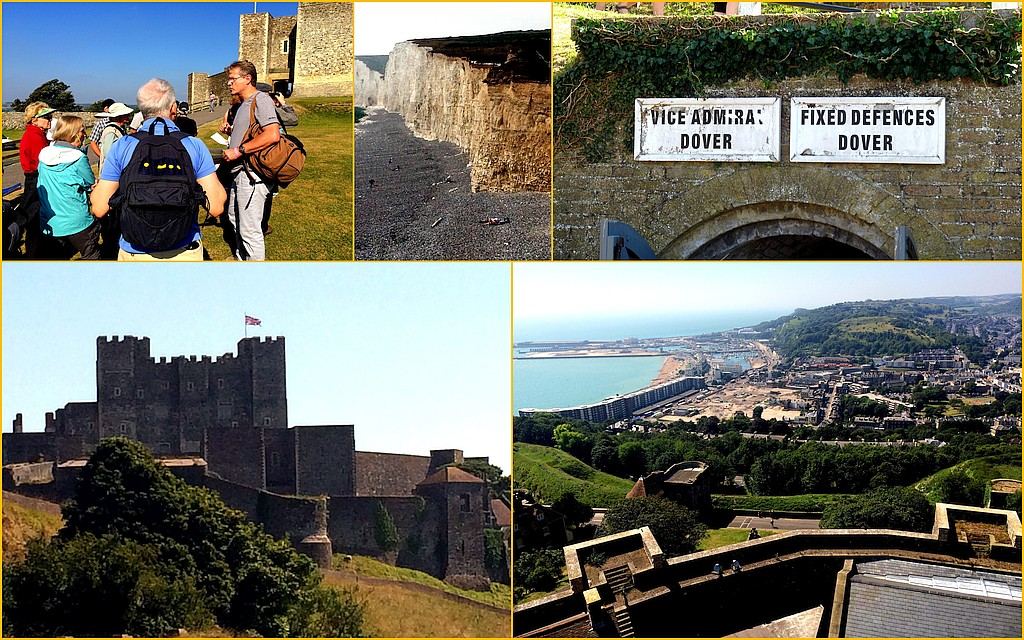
{"x": 804, "y": 502}
{"x": 311, "y": 219}
{"x": 547, "y": 473}
{"x": 13, "y": 134}
{"x": 498, "y": 596}
{"x": 722, "y": 537}
{"x": 985, "y": 469}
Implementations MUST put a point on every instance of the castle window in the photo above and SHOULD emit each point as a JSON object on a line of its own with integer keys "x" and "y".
{"x": 234, "y": 424}
{"x": 89, "y": 426}
{"x": 191, "y": 386}
{"x": 462, "y": 547}
{"x": 164, "y": 384}
{"x": 220, "y": 383}
{"x": 266, "y": 421}
{"x": 464, "y": 506}
{"x": 284, "y": 46}
{"x": 140, "y": 393}
{"x": 275, "y": 459}
{"x": 117, "y": 392}
{"x": 123, "y": 427}
{"x": 164, "y": 447}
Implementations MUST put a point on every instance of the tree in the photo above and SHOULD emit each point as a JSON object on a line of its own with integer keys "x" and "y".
{"x": 99, "y": 587}
{"x": 900, "y": 508}
{"x": 54, "y": 93}
{"x": 384, "y": 530}
{"x": 327, "y": 612}
{"x": 605, "y": 456}
{"x": 575, "y": 512}
{"x": 539, "y": 570}
{"x": 675, "y": 527}
{"x": 957, "y": 487}
{"x": 632, "y": 458}
{"x": 572, "y": 442}
{"x": 247, "y": 580}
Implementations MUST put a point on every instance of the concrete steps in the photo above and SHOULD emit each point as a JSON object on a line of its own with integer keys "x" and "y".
{"x": 623, "y": 622}
{"x": 619, "y": 579}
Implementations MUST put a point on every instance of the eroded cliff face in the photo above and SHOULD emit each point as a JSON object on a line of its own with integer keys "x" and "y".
{"x": 504, "y": 125}
{"x": 369, "y": 85}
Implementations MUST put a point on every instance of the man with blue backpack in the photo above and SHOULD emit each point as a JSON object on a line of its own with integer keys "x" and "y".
{"x": 155, "y": 180}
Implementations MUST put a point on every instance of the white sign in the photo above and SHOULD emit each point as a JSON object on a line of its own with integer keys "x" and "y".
{"x": 903, "y": 130}
{"x": 713, "y": 129}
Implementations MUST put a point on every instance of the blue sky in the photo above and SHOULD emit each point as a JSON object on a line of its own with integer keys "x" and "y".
{"x": 415, "y": 355}
{"x": 379, "y": 25}
{"x": 108, "y": 50}
{"x": 631, "y": 289}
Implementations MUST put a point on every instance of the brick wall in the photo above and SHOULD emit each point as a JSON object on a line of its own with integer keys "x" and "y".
{"x": 968, "y": 208}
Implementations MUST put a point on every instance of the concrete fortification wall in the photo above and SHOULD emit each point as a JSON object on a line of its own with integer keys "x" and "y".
{"x": 323, "y": 50}
{"x": 503, "y": 126}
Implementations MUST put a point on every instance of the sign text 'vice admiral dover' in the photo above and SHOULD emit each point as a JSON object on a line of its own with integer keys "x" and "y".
{"x": 713, "y": 129}
{"x": 902, "y": 130}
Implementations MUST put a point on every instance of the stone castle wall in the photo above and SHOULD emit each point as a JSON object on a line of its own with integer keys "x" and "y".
{"x": 388, "y": 474}
{"x": 323, "y": 50}
{"x": 325, "y": 460}
{"x": 968, "y": 208}
{"x": 504, "y": 127}
{"x": 16, "y": 119}
{"x": 254, "y": 40}
{"x": 200, "y": 84}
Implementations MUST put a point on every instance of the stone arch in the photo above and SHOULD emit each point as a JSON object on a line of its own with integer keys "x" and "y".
{"x": 756, "y": 203}
{"x": 800, "y": 227}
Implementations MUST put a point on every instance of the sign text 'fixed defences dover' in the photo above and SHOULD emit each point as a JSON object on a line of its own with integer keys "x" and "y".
{"x": 867, "y": 130}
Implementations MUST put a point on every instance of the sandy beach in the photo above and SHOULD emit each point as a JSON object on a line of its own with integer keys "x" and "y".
{"x": 669, "y": 369}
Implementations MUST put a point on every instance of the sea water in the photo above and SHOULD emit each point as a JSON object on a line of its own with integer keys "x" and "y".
{"x": 547, "y": 383}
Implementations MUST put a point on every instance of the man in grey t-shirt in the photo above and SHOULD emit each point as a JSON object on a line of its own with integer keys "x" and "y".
{"x": 250, "y": 195}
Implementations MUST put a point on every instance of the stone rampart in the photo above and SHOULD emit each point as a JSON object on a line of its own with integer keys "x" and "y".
{"x": 16, "y": 119}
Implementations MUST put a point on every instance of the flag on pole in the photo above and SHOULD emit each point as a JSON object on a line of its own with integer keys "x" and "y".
{"x": 256, "y": 322}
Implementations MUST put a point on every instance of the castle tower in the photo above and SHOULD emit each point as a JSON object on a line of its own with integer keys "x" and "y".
{"x": 460, "y": 501}
{"x": 269, "y": 43}
{"x": 117, "y": 362}
{"x": 323, "y": 50}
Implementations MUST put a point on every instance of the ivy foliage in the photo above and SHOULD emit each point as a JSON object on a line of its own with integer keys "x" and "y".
{"x": 621, "y": 59}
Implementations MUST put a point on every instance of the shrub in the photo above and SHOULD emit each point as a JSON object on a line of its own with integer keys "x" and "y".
{"x": 900, "y": 508}
{"x": 675, "y": 527}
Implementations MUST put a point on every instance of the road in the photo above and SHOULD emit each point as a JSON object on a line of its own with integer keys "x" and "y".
{"x": 413, "y": 202}
{"x": 781, "y": 524}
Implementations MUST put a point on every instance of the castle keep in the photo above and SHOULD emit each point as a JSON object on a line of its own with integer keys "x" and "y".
{"x": 308, "y": 54}
{"x": 223, "y": 423}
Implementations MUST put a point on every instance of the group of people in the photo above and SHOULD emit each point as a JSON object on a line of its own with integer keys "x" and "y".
{"x": 154, "y": 175}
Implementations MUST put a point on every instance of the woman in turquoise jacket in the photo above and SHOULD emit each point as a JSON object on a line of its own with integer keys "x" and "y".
{"x": 65, "y": 180}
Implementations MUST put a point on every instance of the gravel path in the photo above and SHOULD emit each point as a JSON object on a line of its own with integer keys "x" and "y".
{"x": 413, "y": 202}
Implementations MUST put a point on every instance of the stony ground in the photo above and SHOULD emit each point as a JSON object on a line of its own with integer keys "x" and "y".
{"x": 413, "y": 202}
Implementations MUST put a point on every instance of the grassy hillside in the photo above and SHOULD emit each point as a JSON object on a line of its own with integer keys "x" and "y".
{"x": 985, "y": 469}
{"x": 401, "y": 603}
{"x": 25, "y": 519}
{"x": 312, "y": 218}
{"x": 882, "y": 327}
{"x": 498, "y": 596}
{"x": 547, "y": 473}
